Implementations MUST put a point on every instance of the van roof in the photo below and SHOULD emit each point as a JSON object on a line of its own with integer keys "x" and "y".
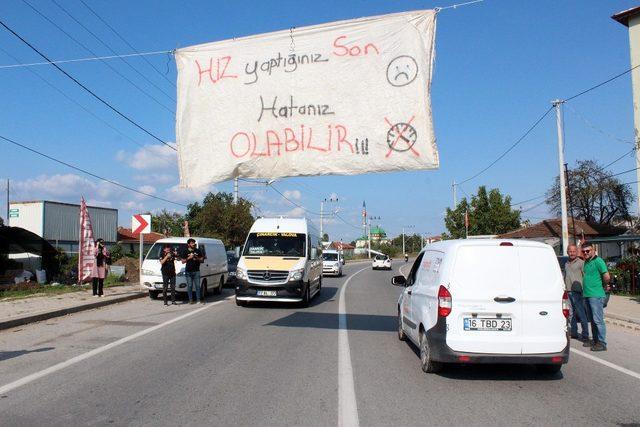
{"x": 292, "y": 225}
{"x": 446, "y": 245}
{"x": 184, "y": 240}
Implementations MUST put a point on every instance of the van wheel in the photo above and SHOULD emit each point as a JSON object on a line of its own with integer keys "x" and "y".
{"x": 204, "y": 289}
{"x": 218, "y": 290}
{"x": 307, "y": 296}
{"x": 427, "y": 363}
{"x": 401, "y": 335}
{"x": 548, "y": 369}
{"x": 153, "y": 294}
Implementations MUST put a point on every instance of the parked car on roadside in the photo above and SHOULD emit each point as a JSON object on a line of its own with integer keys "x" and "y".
{"x": 381, "y": 262}
{"x": 213, "y": 270}
{"x": 485, "y": 301}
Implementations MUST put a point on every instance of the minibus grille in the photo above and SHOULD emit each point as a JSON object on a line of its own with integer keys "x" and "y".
{"x": 268, "y": 275}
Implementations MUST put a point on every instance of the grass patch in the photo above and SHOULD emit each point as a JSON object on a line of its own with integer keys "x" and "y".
{"x": 26, "y": 290}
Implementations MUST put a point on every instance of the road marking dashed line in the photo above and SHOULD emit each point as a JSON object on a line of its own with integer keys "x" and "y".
{"x": 62, "y": 365}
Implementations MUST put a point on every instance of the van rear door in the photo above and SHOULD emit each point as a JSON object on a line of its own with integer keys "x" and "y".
{"x": 543, "y": 324}
{"x": 486, "y": 316}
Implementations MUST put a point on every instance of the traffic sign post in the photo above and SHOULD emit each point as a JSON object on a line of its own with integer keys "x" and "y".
{"x": 140, "y": 224}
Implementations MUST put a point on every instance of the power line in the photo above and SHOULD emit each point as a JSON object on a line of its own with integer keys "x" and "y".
{"x": 127, "y": 43}
{"x": 533, "y": 207}
{"x": 91, "y": 58}
{"x": 619, "y": 158}
{"x": 61, "y": 92}
{"x": 87, "y": 89}
{"x": 115, "y": 70}
{"x": 291, "y": 201}
{"x": 346, "y": 222}
{"x": 455, "y": 6}
{"x": 528, "y": 200}
{"x": 89, "y": 173}
{"x": 510, "y": 148}
{"x": 111, "y": 50}
{"x": 601, "y": 84}
{"x": 595, "y": 128}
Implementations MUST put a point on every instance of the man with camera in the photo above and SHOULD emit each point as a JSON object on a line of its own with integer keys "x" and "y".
{"x": 99, "y": 270}
{"x": 168, "y": 269}
{"x": 192, "y": 257}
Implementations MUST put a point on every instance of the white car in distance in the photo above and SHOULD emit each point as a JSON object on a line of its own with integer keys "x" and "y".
{"x": 381, "y": 262}
{"x": 332, "y": 262}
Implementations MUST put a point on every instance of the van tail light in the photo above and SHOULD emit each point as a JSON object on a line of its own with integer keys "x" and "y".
{"x": 444, "y": 302}
{"x": 565, "y": 304}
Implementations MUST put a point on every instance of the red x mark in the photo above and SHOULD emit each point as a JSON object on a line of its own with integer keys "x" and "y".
{"x": 400, "y": 135}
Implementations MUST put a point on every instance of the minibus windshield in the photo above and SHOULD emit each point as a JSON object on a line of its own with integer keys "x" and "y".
{"x": 154, "y": 252}
{"x": 275, "y": 244}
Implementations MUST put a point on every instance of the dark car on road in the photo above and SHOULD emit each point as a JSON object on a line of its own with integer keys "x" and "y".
{"x": 232, "y": 263}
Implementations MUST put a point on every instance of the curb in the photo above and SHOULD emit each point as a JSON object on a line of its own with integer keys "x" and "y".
{"x": 622, "y": 318}
{"x": 622, "y": 323}
{"x": 12, "y": 323}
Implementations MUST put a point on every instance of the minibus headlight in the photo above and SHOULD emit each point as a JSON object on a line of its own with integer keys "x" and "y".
{"x": 296, "y": 274}
{"x": 241, "y": 273}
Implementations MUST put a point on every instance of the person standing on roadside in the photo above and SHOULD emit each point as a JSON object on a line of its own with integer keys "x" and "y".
{"x": 168, "y": 268}
{"x": 99, "y": 270}
{"x": 573, "y": 273}
{"x": 595, "y": 281}
{"x": 192, "y": 257}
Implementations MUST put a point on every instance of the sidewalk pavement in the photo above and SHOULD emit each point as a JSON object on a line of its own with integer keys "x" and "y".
{"x": 42, "y": 307}
{"x": 624, "y": 309}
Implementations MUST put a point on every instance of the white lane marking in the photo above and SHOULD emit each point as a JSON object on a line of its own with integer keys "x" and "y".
{"x": 347, "y": 403}
{"x": 55, "y": 368}
{"x": 606, "y": 363}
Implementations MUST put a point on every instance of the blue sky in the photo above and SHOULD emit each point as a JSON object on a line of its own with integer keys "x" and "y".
{"x": 498, "y": 65}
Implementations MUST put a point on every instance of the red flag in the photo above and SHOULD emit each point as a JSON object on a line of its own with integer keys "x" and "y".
{"x": 86, "y": 245}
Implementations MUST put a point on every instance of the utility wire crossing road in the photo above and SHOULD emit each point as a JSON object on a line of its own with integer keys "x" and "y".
{"x": 338, "y": 362}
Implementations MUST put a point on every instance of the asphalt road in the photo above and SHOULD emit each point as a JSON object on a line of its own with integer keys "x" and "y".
{"x": 139, "y": 363}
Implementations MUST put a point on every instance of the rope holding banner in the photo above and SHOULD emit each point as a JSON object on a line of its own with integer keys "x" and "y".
{"x": 455, "y": 6}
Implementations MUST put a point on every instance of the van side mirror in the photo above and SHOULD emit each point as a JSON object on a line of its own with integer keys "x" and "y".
{"x": 343, "y": 262}
{"x": 399, "y": 281}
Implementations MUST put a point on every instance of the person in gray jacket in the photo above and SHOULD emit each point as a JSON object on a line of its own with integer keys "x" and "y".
{"x": 573, "y": 272}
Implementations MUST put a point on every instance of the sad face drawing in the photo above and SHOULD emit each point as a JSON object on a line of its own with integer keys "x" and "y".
{"x": 402, "y": 70}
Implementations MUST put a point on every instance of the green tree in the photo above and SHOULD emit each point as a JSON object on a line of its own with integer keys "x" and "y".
{"x": 220, "y": 218}
{"x": 595, "y": 195}
{"x": 489, "y": 213}
{"x": 167, "y": 223}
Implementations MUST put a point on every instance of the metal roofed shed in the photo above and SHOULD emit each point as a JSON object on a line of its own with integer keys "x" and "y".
{"x": 59, "y": 223}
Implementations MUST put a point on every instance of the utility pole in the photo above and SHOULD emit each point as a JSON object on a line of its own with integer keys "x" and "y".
{"x": 322, "y": 202}
{"x": 403, "y": 246}
{"x": 563, "y": 184}
{"x": 455, "y": 198}
{"x": 7, "y": 224}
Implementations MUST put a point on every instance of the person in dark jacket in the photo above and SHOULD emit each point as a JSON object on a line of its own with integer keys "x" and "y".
{"x": 168, "y": 268}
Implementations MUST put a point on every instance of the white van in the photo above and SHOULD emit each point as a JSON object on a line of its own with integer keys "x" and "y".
{"x": 281, "y": 261}
{"x": 332, "y": 262}
{"x": 213, "y": 270}
{"x": 485, "y": 301}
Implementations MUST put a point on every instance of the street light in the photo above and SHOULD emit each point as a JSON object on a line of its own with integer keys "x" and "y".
{"x": 372, "y": 218}
{"x": 406, "y": 226}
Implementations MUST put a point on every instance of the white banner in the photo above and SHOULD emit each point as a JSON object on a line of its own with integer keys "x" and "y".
{"x": 86, "y": 245}
{"x": 342, "y": 98}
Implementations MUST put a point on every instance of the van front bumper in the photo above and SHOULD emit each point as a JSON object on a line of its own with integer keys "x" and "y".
{"x": 154, "y": 283}
{"x": 292, "y": 291}
{"x": 441, "y": 352}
